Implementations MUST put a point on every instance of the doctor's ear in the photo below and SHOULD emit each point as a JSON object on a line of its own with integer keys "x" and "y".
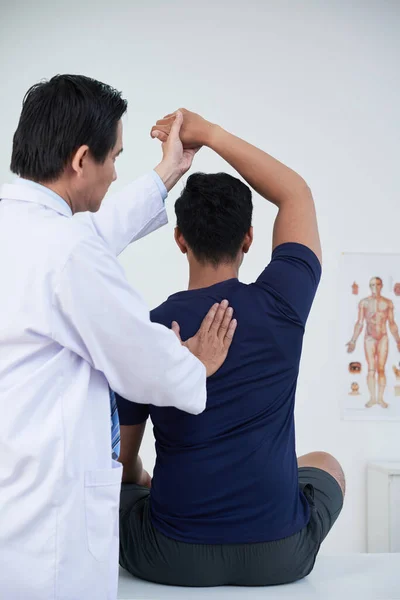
{"x": 180, "y": 240}
{"x": 79, "y": 158}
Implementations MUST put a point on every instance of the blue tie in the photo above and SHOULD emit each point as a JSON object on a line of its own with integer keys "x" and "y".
{"x": 115, "y": 432}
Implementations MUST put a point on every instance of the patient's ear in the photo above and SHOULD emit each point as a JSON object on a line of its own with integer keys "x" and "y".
{"x": 248, "y": 240}
{"x": 180, "y": 240}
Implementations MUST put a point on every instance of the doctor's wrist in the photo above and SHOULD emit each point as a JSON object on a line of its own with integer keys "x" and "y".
{"x": 169, "y": 174}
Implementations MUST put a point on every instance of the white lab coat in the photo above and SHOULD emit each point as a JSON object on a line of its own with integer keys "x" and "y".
{"x": 70, "y": 323}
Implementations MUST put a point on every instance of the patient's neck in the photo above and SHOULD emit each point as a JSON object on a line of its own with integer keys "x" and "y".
{"x": 204, "y": 275}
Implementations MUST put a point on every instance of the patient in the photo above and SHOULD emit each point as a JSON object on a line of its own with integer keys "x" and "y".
{"x": 230, "y": 503}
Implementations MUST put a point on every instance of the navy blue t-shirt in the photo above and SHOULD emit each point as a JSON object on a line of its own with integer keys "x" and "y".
{"x": 229, "y": 475}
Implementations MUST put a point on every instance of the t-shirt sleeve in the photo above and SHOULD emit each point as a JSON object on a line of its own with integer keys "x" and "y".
{"x": 292, "y": 277}
{"x": 131, "y": 413}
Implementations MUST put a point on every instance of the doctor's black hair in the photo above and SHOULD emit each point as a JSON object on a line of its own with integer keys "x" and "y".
{"x": 214, "y": 214}
{"x": 60, "y": 115}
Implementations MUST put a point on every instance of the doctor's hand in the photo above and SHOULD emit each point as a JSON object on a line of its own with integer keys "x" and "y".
{"x": 194, "y": 132}
{"x": 212, "y": 341}
{"x": 176, "y": 159}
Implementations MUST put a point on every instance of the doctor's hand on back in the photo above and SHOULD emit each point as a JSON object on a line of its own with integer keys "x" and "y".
{"x": 211, "y": 343}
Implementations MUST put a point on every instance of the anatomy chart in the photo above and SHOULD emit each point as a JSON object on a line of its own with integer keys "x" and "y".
{"x": 369, "y": 325}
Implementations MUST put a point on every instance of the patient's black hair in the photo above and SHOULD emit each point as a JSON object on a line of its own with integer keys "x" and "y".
{"x": 214, "y": 214}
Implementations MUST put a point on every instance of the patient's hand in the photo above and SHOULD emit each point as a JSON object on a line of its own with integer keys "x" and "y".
{"x": 194, "y": 133}
{"x": 212, "y": 341}
{"x": 176, "y": 158}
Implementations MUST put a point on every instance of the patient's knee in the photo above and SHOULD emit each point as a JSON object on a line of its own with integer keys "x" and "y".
{"x": 326, "y": 462}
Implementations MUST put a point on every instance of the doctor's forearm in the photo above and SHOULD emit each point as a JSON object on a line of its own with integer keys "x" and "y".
{"x": 169, "y": 174}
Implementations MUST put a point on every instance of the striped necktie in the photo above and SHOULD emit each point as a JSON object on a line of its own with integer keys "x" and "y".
{"x": 115, "y": 432}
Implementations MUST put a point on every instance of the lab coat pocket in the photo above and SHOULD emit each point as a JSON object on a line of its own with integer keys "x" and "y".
{"x": 102, "y": 490}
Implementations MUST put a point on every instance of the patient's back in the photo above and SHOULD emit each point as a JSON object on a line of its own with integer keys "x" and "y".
{"x": 229, "y": 475}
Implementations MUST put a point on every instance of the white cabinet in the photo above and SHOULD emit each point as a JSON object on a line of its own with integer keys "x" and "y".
{"x": 383, "y": 526}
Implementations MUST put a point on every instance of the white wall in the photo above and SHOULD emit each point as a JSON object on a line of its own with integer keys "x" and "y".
{"x": 315, "y": 83}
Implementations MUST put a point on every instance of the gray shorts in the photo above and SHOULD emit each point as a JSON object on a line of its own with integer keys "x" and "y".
{"x": 148, "y": 554}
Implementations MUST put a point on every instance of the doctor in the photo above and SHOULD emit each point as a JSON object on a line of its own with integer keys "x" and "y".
{"x": 70, "y": 326}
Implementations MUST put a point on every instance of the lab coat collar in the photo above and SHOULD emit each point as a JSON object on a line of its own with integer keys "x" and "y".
{"x": 26, "y": 193}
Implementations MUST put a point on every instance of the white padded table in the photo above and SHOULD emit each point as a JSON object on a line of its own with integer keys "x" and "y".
{"x": 345, "y": 577}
